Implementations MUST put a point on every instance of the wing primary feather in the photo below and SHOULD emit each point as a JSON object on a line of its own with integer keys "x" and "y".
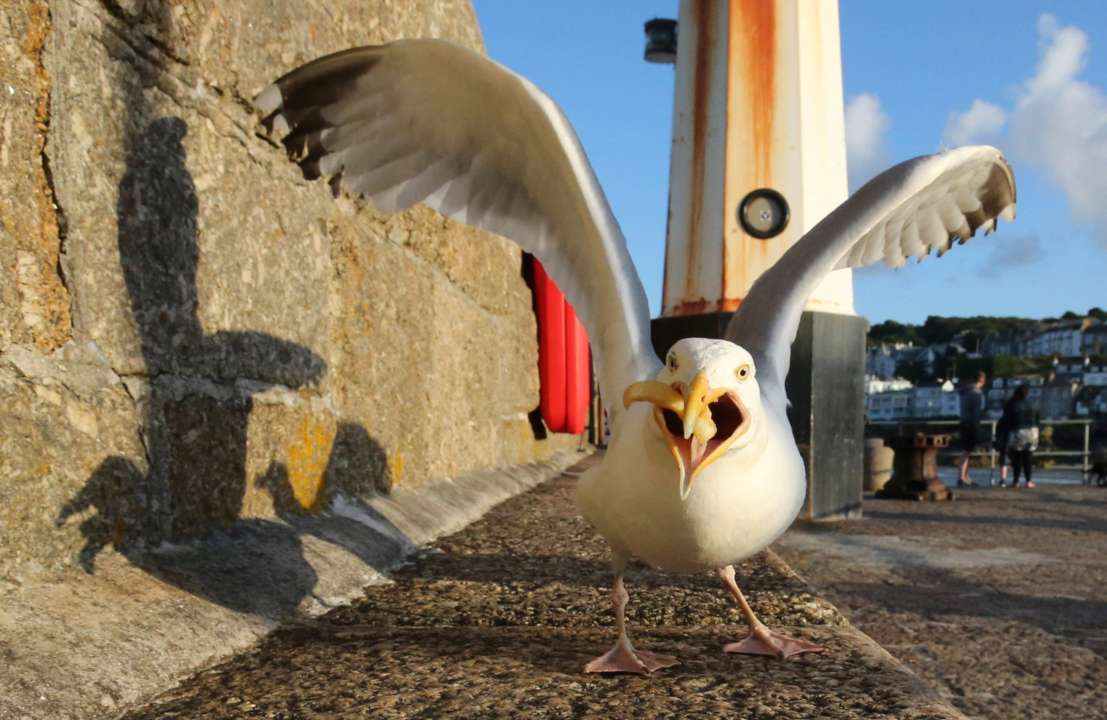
{"x": 323, "y": 81}
{"x": 426, "y": 120}
{"x": 907, "y": 211}
{"x": 874, "y": 246}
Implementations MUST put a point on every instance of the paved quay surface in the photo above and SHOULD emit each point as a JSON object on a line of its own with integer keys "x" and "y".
{"x": 83, "y": 646}
{"x": 498, "y": 619}
{"x": 998, "y": 599}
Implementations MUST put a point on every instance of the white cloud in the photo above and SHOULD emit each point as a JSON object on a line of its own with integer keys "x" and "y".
{"x": 1058, "y": 124}
{"x": 982, "y": 123}
{"x": 866, "y": 148}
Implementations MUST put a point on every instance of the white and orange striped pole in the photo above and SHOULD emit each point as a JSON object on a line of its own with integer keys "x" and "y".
{"x": 758, "y": 116}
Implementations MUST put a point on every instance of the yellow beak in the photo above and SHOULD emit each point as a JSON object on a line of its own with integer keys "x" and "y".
{"x": 695, "y": 403}
{"x": 688, "y": 440}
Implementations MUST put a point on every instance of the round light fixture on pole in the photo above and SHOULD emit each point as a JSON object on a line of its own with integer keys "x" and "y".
{"x": 763, "y": 213}
{"x": 661, "y": 41}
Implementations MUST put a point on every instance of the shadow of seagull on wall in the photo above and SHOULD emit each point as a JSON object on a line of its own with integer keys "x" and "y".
{"x": 196, "y": 476}
{"x": 177, "y": 512}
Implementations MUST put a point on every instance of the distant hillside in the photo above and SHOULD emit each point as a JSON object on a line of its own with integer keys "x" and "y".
{"x": 968, "y": 330}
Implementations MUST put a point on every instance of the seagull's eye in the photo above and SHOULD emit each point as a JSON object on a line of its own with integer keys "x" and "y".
{"x": 671, "y": 362}
{"x": 743, "y": 372}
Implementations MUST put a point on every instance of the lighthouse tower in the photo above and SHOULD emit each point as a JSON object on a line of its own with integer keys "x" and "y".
{"x": 758, "y": 158}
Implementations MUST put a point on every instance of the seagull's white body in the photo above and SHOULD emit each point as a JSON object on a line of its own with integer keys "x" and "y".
{"x": 701, "y": 470}
{"x": 737, "y": 507}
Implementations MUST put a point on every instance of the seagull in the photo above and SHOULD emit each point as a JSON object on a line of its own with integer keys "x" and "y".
{"x": 701, "y": 469}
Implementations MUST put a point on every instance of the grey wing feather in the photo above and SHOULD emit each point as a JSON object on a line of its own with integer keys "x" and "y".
{"x": 907, "y": 211}
{"x": 428, "y": 121}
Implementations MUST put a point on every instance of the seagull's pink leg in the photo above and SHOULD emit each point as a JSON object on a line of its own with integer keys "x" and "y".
{"x": 761, "y": 640}
{"x": 623, "y": 657}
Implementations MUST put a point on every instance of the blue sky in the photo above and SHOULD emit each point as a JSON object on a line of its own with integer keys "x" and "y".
{"x": 916, "y": 76}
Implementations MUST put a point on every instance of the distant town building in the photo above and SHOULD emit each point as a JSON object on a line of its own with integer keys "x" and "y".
{"x": 880, "y": 362}
{"x": 1069, "y": 338}
{"x": 1001, "y": 390}
{"x": 923, "y": 357}
{"x": 875, "y": 385}
{"x": 1074, "y": 386}
{"x": 1091, "y": 400}
{"x": 1057, "y": 398}
{"x": 1096, "y": 377}
{"x": 1063, "y": 339}
{"x": 892, "y": 401}
{"x": 998, "y": 345}
{"x": 1094, "y": 339}
{"x": 884, "y": 406}
{"x": 935, "y": 401}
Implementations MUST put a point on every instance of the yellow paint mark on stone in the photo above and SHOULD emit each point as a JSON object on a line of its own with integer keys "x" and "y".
{"x": 307, "y": 463}
{"x": 396, "y": 465}
{"x": 40, "y": 471}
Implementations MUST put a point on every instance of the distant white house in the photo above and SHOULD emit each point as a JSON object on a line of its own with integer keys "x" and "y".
{"x": 1064, "y": 339}
{"x": 875, "y": 385}
{"x": 1069, "y": 338}
{"x": 1096, "y": 377}
{"x": 933, "y": 401}
{"x": 895, "y": 402}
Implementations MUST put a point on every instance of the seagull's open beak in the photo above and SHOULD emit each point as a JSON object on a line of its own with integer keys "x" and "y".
{"x": 698, "y": 423}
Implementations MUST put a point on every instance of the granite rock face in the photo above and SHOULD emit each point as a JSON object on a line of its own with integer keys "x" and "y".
{"x": 34, "y": 302}
{"x": 190, "y": 333}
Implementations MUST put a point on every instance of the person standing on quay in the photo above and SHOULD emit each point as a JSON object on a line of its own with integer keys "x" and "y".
{"x": 1002, "y": 441}
{"x": 1024, "y": 434}
{"x": 972, "y": 408}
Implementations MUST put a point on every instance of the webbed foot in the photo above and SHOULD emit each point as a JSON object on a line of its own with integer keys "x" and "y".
{"x": 624, "y": 658}
{"x": 763, "y": 641}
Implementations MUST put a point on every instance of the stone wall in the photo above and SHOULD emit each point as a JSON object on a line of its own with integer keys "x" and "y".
{"x": 191, "y": 333}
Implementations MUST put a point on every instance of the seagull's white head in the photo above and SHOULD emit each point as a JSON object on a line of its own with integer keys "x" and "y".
{"x": 706, "y": 403}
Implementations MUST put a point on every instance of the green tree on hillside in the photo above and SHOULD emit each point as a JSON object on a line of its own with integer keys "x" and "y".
{"x": 891, "y": 331}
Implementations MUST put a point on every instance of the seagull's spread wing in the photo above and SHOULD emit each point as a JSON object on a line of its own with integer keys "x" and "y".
{"x": 907, "y": 211}
{"x": 428, "y": 121}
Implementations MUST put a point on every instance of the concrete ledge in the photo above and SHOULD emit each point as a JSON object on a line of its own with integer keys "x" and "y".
{"x": 82, "y": 646}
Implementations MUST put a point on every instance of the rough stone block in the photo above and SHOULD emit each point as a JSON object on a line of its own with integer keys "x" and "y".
{"x": 63, "y": 417}
{"x": 34, "y": 302}
{"x": 264, "y": 345}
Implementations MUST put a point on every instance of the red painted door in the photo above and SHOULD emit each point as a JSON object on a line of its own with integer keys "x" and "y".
{"x": 563, "y": 366}
{"x": 576, "y": 373}
{"x": 551, "y": 348}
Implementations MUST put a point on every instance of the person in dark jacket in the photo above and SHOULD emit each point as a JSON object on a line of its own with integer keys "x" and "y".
{"x": 1001, "y": 441}
{"x": 1023, "y": 434}
{"x": 972, "y": 409}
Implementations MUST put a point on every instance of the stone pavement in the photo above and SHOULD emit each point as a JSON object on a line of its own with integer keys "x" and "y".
{"x": 77, "y": 646}
{"x": 998, "y": 599}
{"x": 498, "y": 619}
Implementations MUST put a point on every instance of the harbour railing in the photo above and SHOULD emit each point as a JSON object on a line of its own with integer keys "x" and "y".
{"x": 1079, "y": 460}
